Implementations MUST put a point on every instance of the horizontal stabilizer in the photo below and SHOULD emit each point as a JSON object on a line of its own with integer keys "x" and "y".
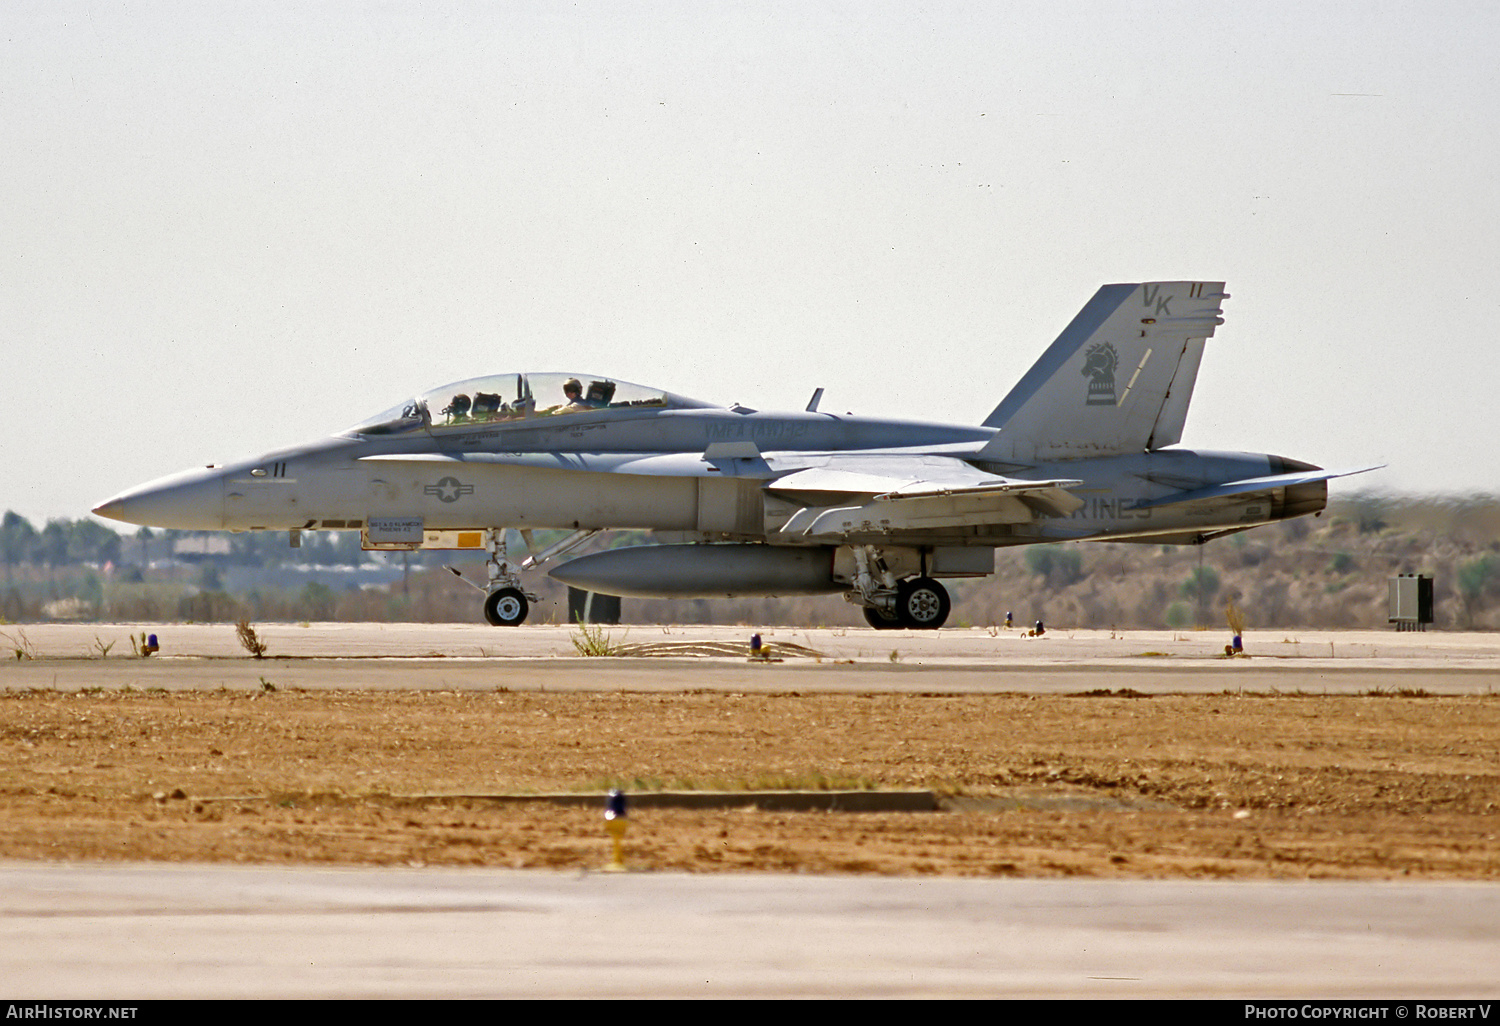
{"x": 1250, "y": 486}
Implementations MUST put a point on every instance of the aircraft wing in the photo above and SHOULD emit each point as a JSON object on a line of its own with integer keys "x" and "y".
{"x": 832, "y": 494}
{"x": 888, "y": 493}
{"x": 1249, "y": 486}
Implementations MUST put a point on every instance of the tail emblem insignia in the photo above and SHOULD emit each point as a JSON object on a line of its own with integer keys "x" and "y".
{"x": 1099, "y": 367}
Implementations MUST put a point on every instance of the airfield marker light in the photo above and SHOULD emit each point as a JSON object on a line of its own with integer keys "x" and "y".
{"x": 150, "y": 645}
{"x": 615, "y": 823}
{"x": 760, "y": 652}
{"x": 1010, "y": 621}
{"x": 1236, "y": 620}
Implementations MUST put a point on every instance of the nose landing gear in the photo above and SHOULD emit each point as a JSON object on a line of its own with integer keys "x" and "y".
{"x": 506, "y": 603}
{"x": 506, "y": 608}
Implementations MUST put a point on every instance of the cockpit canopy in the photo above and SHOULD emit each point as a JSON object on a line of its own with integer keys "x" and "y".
{"x": 510, "y": 398}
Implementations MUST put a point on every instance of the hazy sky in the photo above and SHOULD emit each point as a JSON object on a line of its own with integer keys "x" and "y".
{"x": 229, "y": 227}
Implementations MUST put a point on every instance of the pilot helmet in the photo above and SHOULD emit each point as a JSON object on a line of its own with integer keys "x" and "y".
{"x": 572, "y": 385}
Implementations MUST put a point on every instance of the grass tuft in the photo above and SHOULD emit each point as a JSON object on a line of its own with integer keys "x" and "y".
{"x": 249, "y": 640}
{"x": 592, "y": 640}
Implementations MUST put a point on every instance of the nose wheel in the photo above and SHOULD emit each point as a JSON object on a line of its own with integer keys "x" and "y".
{"x": 506, "y": 608}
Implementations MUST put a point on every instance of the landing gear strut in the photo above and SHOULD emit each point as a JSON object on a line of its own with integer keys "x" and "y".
{"x": 505, "y": 603}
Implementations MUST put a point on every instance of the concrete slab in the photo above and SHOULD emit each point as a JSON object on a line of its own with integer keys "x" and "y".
{"x": 148, "y": 932}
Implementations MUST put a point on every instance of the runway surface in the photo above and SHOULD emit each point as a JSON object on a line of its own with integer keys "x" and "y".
{"x": 143, "y": 932}
{"x": 167, "y": 931}
{"x": 974, "y": 660}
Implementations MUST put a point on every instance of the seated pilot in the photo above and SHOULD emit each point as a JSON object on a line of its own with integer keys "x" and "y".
{"x": 573, "y": 392}
{"x": 458, "y": 409}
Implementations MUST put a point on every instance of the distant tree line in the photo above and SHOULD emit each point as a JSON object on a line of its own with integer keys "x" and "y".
{"x": 59, "y": 543}
{"x": 63, "y": 542}
{"x": 81, "y": 569}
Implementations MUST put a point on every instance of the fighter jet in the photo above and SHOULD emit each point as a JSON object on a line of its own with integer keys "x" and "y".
{"x": 748, "y": 502}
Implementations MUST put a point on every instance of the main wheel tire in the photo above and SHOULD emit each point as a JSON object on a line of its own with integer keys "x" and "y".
{"x": 505, "y": 608}
{"x": 879, "y": 620}
{"x": 922, "y": 603}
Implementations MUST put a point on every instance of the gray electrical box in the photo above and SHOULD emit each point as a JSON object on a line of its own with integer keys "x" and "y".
{"x": 1411, "y": 602}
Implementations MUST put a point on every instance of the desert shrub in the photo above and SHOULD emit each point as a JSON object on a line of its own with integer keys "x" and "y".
{"x": 1060, "y": 566}
{"x": 1179, "y": 614}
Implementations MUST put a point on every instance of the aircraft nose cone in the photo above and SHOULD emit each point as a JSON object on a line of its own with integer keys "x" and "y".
{"x": 112, "y": 509}
{"x": 191, "y": 501}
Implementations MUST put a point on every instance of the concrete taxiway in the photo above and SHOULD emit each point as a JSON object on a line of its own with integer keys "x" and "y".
{"x": 142, "y": 932}
{"x": 973, "y": 660}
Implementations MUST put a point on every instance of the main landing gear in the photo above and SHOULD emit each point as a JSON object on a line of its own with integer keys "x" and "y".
{"x": 920, "y": 603}
{"x": 917, "y": 602}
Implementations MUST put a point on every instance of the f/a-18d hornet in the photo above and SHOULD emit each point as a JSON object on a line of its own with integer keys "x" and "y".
{"x": 760, "y": 503}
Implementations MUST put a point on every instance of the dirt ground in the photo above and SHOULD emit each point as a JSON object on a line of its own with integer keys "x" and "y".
{"x": 1244, "y": 786}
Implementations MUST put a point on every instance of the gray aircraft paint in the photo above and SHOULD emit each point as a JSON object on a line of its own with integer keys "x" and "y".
{"x": 1077, "y": 450}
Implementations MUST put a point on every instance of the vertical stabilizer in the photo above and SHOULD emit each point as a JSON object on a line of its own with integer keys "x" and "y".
{"x": 1117, "y": 380}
